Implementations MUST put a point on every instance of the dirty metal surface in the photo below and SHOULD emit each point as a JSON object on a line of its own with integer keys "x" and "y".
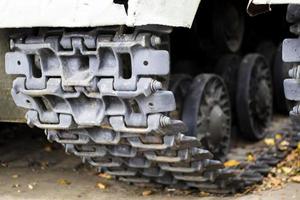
{"x": 9, "y": 112}
{"x": 89, "y": 105}
{"x": 28, "y": 159}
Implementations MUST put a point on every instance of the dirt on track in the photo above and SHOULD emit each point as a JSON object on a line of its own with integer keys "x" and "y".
{"x": 31, "y": 168}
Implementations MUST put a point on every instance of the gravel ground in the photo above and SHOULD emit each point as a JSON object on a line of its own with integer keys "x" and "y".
{"x": 33, "y": 169}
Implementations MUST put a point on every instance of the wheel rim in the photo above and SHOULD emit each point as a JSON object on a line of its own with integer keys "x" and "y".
{"x": 260, "y": 107}
{"x": 179, "y": 85}
{"x": 214, "y": 118}
{"x": 207, "y": 113}
{"x": 229, "y": 28}
{"x": 254, "y": 98}
{"x": 227, "y": 67}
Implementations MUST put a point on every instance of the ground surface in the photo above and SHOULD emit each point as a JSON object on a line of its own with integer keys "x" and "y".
{"x": 33, "y": 169}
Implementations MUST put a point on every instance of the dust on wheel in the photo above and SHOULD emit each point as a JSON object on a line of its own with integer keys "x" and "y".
{"x": 179, "y": 85}
{"x": 207, "y": 113}
{"x": 254, "y": 97}
{"x": 227, "y": 67}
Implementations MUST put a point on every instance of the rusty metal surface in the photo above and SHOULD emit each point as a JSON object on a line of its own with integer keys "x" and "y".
{"x": 9, "y": 112}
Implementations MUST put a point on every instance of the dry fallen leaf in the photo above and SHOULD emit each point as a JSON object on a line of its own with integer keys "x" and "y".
{"x": 292, "y": 156}
{"x": 30, "y": 186}
{"x": 278, "y": 136}
{"x": 170, "y": 189}
{"x": 231, "y": 163}
{"x": 286, "y": 170}
{"x": 269, "y": 141}
{"x": 15, "y": 176}
{"x": 16, "y": 185}
{"x": 101, "y": 186}
{"x": 104, "y": 175}
{"x": 147, "y": 193}
{"x": 203, "y": 194}
{"x": 250, "y": 157}
{"x": 275, "y": 182}
{"x": 284, "y": 145}
{"x": 296, "y": 179}
{"x": 4, "y": 164}
{"x": 63, "y": 182}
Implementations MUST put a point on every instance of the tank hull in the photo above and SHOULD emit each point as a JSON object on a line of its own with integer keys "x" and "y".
{"x": 93, "y": 13}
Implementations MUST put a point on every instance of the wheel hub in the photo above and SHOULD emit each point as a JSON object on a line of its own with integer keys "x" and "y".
{"x": 207, "y": 113}
{"x": 217, "y": 120}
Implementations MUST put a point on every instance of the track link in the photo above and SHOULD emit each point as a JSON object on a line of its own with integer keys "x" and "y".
{"x": 101, "y": 95}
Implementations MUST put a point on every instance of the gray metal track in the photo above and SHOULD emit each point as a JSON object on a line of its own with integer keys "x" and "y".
{"x": 100, "y": 95}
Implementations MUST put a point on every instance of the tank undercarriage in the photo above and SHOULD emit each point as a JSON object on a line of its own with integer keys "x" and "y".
{"x": 136, "y": 104}
{"x": 104, "y": 95}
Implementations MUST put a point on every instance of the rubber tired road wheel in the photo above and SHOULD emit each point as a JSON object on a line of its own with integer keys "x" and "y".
{"x": 179, "y": 85}
{"x": 293, "y": 13}
{"x": 227, "y": 67}
{"x": 268, "y": 50}
{"x": 254, "y": 97}
{"x": 207, "y": 113}
{"x": 229, "y": 25}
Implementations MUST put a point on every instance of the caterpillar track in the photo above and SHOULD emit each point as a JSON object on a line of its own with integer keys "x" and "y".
{"x": 102, "y": 94}
{"x": 290, "y": 56}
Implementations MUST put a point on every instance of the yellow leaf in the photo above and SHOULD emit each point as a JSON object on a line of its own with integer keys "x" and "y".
{"x": 250, "y": 157}
{"x": 147, "y": 193}
{"x": 286, "y": 170}
{"x": 298, "y": 146}
{"x": 101, "y": 186}
{"x": 15, "y": 176}
{"x": 296, "y": 179}
{"x": 284, "y": 145}
{"x": 104, "y": 175}
{"x": 63, "y": 182}
{"x": 278, "y": 136}
{"x": 275, "y": 182}
{"x": 231, "y": 163}
{"x": 269, "y": 141}
{"x": 204, "y": 194}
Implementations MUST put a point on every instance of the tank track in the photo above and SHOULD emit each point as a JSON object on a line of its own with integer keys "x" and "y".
{"x": 75, "y": 86}
{"x": 290, "y": 54}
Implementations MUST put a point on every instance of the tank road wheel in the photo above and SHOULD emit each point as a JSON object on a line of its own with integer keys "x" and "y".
{"x": 179, "y": 85}
{"x": 281, "y": 72}
{"x": 293, "y": 13}
{"x": 227, "y": 67}
{"x": 268, "y": 50}
{"x": 254, "y": 97}
{"x": 228, "y": 29}
{"x": 207, "y": 113}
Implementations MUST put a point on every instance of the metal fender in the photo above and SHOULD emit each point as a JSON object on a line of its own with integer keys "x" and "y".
{"x": 92, "y": 13}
